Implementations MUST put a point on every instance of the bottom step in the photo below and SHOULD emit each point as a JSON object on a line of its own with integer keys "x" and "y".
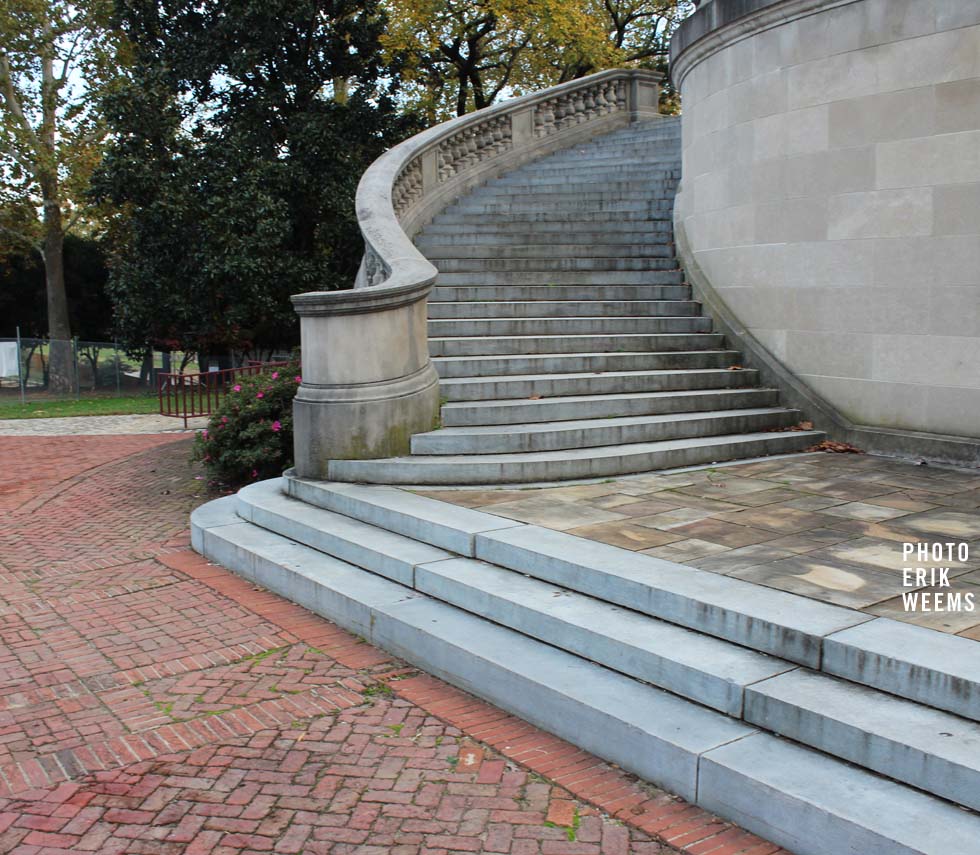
{"x": 599, "y": 462}
{"x": 794, "y": 796}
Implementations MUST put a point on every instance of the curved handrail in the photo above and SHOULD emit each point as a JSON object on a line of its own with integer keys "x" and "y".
{"x": 444, "y": 162}
{"x": 368, "y": 381}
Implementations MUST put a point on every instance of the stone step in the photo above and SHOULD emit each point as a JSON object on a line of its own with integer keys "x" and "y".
{"x": 812, "y": 804}
{"x": 623, "y": 168}
{"x": 564, "y": 277}
{"x": 695, "y": 666}
{"x": 611, "y": 382}
{"x": 577, "y": 197}
{"x": 910, "y": 661}
{"x": 523, "y": 411}
{"x": 533, "y": 185}
{"x": 511, "y": 208}
{"x": 588, "y": 433}
{"x": 546, "y": 363}
{"x": 599, "y": 462}
{"x": 762, "y": 619}
{"x": 645, "y": 730}
{"x": 519, "y": 345}
{"x": 783, "y": 624}
{"x": 491, "y": 235}
{"x": 564, "y": 309}
{"x": 662, "y": 215}
{"x": 531, "y": 293}
{"x": 586, "y": 264}
{"x": 476, "y": 250}
{"x": 565, "y": 326}
{"x": 659, "y": 179}
{"x": 923, "y": 747}
{"x": 689, "y": 664}
{"x": 638, "y": 152}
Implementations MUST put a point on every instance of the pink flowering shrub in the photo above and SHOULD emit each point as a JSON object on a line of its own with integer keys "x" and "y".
{"x": 250, "y": 434}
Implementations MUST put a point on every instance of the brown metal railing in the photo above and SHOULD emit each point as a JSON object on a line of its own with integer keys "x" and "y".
{"x": 188, "y": 396}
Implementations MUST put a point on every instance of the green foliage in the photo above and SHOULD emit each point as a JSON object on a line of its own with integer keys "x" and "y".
{"x": 239, "y": 141}
{"x": 22, "y": 296}
{"x": 250, "y": 434}
{"x": 463, "y": 55}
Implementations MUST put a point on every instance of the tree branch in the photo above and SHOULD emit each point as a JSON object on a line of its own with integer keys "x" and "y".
{"x": 13, "y": 104}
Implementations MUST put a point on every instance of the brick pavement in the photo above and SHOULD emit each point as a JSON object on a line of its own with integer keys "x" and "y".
{"x": 153, "y": 703}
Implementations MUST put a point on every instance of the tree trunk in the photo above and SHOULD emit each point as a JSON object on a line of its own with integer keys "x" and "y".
{"x": 53, "y": 250}
{"x": 60, "y": 367}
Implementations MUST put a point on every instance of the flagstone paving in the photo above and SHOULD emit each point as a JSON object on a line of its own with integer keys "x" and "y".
{"x": 98, "y": 425}
{"x": 827, "y": 526}
{"x": 153, "y": 703}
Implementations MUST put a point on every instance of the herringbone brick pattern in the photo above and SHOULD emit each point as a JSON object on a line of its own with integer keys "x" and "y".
{"x": 153, "y": 703}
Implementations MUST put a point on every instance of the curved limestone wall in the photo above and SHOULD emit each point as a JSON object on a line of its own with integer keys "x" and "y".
{"x": 831, "y": 195}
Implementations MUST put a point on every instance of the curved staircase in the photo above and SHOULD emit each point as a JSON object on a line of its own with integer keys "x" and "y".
{"x": 568, "y": 346}
{"x": 566, "y": 342}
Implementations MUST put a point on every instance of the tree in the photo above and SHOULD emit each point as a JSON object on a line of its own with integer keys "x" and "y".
{"x": 238, "y": 143}
{"x": 57, "y": 59}
{"x": 465, "y": 54}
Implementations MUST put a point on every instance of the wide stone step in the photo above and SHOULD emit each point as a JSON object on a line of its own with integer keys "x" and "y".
{"x": 762, "y": 619}
{"x": 572, "y": 205}
{"x": 476, "y": 250}
{"x": 932, "y": 750}
{"x": 658, "y": 180}
{"x": 546, "y": 265}
{"x": 610, "y": 382}
{"x": 604, "y": 189}
{"x": 695, "y": 666}
{"x": 563, "y": 277}
{"x": 565, "y": 326}
{"x": 551, "y": 436}
{"x": 812, "y": 804}
{"x": 796, "y": 628}
{"x": 491, "y": 235}
{"x": 911, "y": 661}
{"x": 502, "y": 345}
{"x": 523, "y": 411}
{"x": 631, "y": 152}
{"x": 547, "y": 466}
{"x": 644, "y": 729}
{"x": 498, "y": 622}
{"x": 600, "y": 200}
{"x": 531, "y": 293}
{"x": 547, "y": 363}
{"x": 653, "y": 213}
{"x": 564, "y": 309}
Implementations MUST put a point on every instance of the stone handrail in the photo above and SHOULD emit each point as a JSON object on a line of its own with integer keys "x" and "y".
{"x": 368, "y": 383}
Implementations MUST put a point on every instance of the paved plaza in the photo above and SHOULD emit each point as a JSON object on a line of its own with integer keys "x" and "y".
{"x": 826, "y": 526}
{"x": 153, "y": 703}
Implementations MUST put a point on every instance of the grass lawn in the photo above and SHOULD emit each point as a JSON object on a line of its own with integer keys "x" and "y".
{"x": 54, "y": 409}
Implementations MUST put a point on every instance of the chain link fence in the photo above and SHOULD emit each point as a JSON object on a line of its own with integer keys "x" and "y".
{"x": 34, "y": 369}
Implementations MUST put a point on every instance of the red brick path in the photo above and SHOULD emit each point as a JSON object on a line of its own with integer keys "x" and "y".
{"x": 153, "y": 703}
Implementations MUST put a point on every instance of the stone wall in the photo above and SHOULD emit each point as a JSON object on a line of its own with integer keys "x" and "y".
{"x": 831, "y": 195}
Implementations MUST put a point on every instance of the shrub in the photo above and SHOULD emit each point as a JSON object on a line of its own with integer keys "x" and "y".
{"x": 250, "y": 434}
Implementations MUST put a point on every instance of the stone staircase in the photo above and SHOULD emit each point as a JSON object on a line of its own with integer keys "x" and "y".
{"x": 566, "y": 342}
{"x": 815, "y": 726}
{"x": 568, "y": 347}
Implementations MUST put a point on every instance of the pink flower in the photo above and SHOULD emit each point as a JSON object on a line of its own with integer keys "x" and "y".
{"x": 275, "y": 375}
{"x": 260, "y": 395}
{"x": 236, "y": 388}
{"x": 277, "y": 426}
{"x": 299, "y": 379}
{"x": 204, "y": 433}
{"x": 224, "y": 420}
{"x": 255, "y": 473}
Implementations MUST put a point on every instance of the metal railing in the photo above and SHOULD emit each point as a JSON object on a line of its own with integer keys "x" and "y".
{"x": 188, "y": 396}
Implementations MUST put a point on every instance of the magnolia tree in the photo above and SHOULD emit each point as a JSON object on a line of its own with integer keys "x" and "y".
{"x": 57, "y": 60}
